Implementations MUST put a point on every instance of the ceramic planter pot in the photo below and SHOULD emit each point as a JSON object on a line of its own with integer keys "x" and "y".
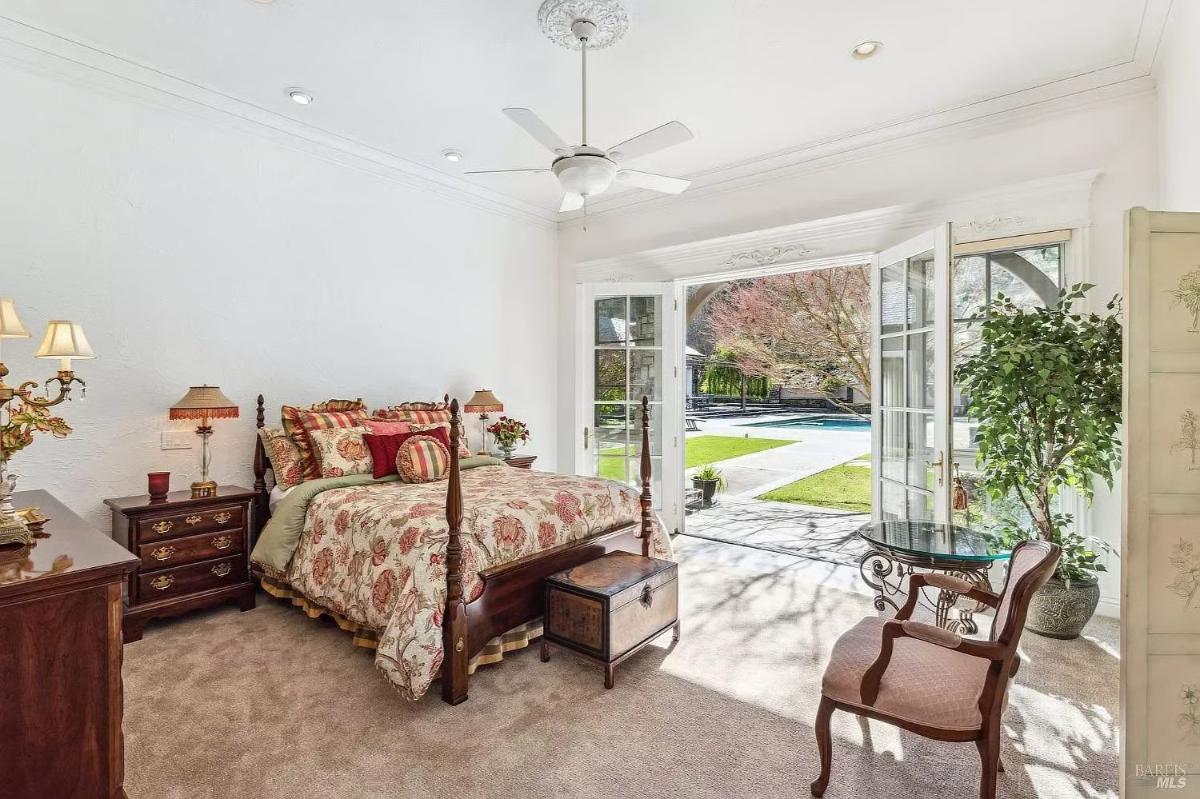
{"x": 1061, "y": 612}
{"x": 708, "y": 489}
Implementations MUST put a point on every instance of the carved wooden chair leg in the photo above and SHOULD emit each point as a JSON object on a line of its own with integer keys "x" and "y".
{"x": 989, "y": 756}
{"x": 824, "y": 746}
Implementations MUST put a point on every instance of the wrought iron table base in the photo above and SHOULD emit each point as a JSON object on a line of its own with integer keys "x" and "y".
{"x": 877, "y": 569}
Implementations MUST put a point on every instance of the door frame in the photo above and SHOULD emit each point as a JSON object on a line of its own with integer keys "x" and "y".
{"x": 938, "y": 241}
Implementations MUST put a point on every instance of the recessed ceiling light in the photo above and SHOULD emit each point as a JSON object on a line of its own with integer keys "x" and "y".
{"x": 866, "y": 49}
{"x": 300, "y": 96}
{"x": 451, "y": 155}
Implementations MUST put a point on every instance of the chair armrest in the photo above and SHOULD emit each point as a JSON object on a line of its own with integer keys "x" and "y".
{"x": 898, "y": 628}
{"x": 944, "y": 582}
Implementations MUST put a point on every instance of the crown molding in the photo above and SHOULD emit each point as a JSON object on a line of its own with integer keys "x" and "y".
{"x": 1054, "y": 203}
{"x": 49, "y": 55}
{"x": 1130, "y": 77}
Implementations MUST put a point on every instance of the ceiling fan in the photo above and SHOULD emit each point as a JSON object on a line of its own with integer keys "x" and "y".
{"x": 583, "y": 170}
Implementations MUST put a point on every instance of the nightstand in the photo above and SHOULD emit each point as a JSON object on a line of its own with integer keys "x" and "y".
{"x": 521, "y": 461}
{"x": 193, "y": 553}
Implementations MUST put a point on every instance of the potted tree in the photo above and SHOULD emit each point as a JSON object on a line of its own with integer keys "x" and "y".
{"x": 1046, "y": 388}
{"x": 709, "y": 480}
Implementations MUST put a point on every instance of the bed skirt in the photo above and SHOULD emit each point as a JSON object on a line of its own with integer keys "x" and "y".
{"x": 368, "y": 637}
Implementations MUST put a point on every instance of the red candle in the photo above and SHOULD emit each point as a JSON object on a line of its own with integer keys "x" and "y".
{"x": 160, "y": 484}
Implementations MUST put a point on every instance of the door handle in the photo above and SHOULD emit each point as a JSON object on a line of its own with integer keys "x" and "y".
{"x": 940, "y": 465}
{"x": 585, "y": 438}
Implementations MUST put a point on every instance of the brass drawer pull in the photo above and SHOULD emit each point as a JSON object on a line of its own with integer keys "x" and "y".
{"x": 163, "y": 553}
{"x": 222, "y": 517}
{"x": 222, "y": 542}
{"x": 162, "y": 582}
{"x": 193, "y": 519}
{"x": 163, "y": 527}
{"x": 222, "y": 569}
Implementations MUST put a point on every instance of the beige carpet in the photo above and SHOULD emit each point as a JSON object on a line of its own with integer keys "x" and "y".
{"x": 271, "y": 704}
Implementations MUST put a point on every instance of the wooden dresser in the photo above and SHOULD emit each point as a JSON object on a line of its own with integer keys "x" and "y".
{"x": 193, "y": 552}
{"x": 60, "y": 660}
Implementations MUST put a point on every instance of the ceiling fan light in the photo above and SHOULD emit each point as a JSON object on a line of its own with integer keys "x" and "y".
{"x": 587, "y": 175}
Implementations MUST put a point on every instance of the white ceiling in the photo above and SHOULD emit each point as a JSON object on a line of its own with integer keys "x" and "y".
{"x": 751, "y": 78}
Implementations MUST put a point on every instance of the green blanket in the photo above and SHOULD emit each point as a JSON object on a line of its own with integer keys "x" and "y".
{"x": 282, "y": 533}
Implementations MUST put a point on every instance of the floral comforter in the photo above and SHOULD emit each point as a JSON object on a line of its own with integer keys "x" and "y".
{"x": 376, "y": 553}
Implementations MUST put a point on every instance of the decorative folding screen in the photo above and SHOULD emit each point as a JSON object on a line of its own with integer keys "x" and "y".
{"x": 1160, "y": 638}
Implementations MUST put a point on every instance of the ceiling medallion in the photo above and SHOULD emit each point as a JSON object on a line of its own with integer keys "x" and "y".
{"x": 556, "y": 18}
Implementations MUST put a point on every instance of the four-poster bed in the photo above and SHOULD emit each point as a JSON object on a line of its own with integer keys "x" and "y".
{"x": 512, "y": 591}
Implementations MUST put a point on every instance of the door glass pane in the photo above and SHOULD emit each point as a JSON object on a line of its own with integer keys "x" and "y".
{"x": 919, "y": 451}
{"x": 892, "y": 500}
{"x": 892, "y": 365}
{"x": 920, "y": 370}
{"x": 611, "y": 468}
{"x": 892, "y": 437}
{"x": 920, "y": 506}
{"x": 644, "y": 317}
{"x": 611, "y": 320}
{"x": 969, "y": 292}
{"x": 634, "y": 478}
{"x": 891, "y": 298}
{"x": 920, "y": 291}
{"x": 610, "y": 430}
{"x": 610, "y": 375}
{"x": 645, "y": 375}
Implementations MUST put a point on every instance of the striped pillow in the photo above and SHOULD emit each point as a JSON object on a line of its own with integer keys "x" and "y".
{"x": 463, "y": 450}
{"x": 320, "y": 420}
{"x": 422, "y": 459}
{"x": 290, "y": 417}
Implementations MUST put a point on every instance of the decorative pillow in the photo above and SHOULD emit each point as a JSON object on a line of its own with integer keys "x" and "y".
{"x": 307, "y": 421}
{"x": 341, "y": 451}
{"x": 423, "y": 459}
{"x": 384, "y": 448}
{"x": 295, "y": 430}
{"x": 381, "y": 428}
{"x": 463, "y": 450}
{"x": 283, "y": 455}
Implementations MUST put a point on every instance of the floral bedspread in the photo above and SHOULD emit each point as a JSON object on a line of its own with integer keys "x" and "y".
{"x": 376, "y": 553}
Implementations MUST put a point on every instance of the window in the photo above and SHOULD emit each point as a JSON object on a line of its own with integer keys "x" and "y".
{"x": 1030, "y": 276}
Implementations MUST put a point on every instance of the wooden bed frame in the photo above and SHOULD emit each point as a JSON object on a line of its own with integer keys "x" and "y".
{"x": 512, "y": 592}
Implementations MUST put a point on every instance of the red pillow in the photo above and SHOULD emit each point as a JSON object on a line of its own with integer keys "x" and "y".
{"x": 384, "y": 448}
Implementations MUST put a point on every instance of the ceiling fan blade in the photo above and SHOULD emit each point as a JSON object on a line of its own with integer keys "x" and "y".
{"x": 538, "y": 129}
{"x": 651, "y": 141}
{"x": 649, "y": 180}
{"x": 506, "y": 171}
{"x": 571, "y": 202}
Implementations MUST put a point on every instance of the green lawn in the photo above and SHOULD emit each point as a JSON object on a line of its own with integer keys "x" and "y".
{"x": 845, "y": 487}
{"x": 700, "y": 450}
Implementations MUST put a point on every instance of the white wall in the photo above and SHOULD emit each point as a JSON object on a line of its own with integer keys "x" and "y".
{"x": 1113, "y": 133}
{"x": 194, "y": 253}
{"x": 1177, "y": 73}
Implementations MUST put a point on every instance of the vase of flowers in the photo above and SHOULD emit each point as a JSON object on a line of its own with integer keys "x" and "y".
{"x": 508, "y": 433}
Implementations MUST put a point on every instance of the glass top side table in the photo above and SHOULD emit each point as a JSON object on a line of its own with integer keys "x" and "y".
{"x": 897, "y": 548}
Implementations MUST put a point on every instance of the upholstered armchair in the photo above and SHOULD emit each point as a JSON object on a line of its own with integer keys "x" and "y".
{"x": 931, "y": 681}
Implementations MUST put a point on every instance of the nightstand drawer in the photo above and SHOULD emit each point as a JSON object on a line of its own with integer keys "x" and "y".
{"x": 192, "y": 579}
{"x": 178, "y": 551}
{"x": 174, "y": 525}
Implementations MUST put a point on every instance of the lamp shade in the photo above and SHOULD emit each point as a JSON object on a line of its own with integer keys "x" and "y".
{"x": 204, "y": 402}
{"x": 483, "y": 401}
{"x": 64, "y": 339}
{"x": 10, "y": 325}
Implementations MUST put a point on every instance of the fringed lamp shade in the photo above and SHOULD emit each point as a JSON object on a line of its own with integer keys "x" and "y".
{"x": 204, "y": 402}
{"x": 483, "y": 401}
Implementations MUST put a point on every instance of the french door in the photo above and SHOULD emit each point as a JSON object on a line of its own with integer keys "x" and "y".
{"x": 910, "y": 385}
{"x": 630, "y": 343}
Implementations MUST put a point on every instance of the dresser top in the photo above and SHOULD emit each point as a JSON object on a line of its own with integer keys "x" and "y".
{"x": 74, "y": 552}
{"x": 177, "y": 500}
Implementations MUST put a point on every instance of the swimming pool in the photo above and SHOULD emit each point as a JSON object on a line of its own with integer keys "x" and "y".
{"x": 825, "y": 422}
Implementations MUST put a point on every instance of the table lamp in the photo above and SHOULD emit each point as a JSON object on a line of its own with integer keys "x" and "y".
{"x": 204, "y": 403}
{"x": 483, "y": 402}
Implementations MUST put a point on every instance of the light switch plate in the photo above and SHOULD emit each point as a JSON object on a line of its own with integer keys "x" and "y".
{"x": 177, "y": 439}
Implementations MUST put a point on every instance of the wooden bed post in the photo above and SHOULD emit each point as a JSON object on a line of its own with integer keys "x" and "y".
{"x": 646, "y": 500}
{"x": 261, "y": 496}
{"x": 455, "y": 653}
